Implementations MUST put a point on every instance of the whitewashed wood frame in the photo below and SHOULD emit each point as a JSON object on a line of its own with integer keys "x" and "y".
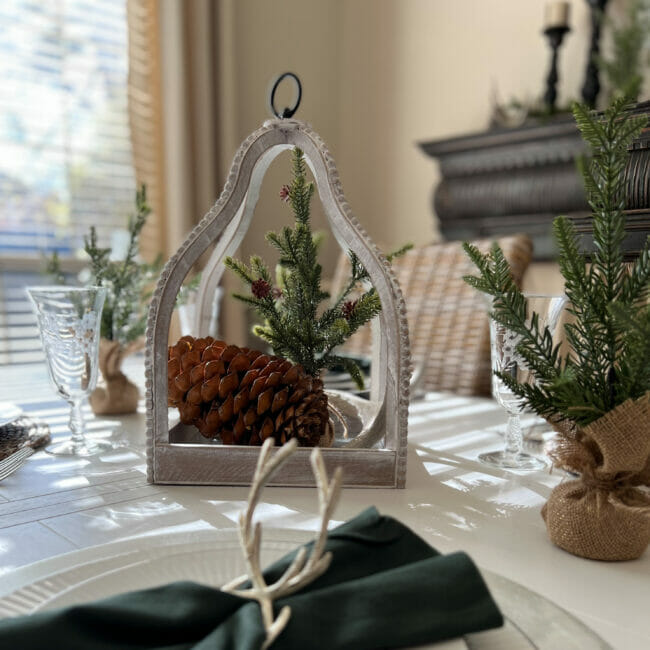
{"x": 170, "y": 459}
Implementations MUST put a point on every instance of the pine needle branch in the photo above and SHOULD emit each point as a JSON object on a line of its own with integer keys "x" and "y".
{"x": 128, "y": 281}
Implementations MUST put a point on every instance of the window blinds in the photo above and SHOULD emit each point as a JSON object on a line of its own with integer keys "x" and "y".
{"x": 65, "y": 152}
{"x": 19, "y": 340}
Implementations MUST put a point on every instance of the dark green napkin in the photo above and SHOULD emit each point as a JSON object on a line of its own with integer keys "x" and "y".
{"x": 385, "y": 588}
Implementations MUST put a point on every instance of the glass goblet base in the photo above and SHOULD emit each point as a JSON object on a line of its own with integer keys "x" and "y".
{"x": 504, "y": 460}
{"x": 82, "y": 449}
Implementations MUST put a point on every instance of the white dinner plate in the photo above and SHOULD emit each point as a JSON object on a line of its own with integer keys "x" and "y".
{"x": 213, "y": 557}
{"x": 8, "y": 413}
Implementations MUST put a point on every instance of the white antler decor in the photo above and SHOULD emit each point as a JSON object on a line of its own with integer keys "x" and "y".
{"x": 302, "y": 570}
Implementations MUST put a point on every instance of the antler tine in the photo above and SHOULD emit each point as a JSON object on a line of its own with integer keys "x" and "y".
{"x": 317, "y": 564}
{"x": 293, "y": 570}
{"x": 290, "y": 572}
{"x": 293, "y": 578}
{"x": 328, "y": 495}
{"x": 266, "y": 466}
{"x": 252, "y": 556}
{"x": 230, "y": 587}
{"x": 277, "y": 626}
{"x": 264, "y": 470}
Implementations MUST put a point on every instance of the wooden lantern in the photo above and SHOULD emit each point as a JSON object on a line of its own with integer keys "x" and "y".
{"x": 177, "y": 455}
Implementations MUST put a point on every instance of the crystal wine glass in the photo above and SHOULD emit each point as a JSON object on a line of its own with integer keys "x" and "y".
{"x": 506, "y": 360}
{"x": 69, "y": 323}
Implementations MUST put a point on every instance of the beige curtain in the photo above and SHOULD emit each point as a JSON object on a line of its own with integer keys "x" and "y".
{"x": 173, "y": 108}
{"x": 145, "y": 118}
{"x": 182, "y": 116}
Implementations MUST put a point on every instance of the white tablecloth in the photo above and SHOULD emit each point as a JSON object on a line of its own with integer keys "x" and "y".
{"x": 52, "y": 506}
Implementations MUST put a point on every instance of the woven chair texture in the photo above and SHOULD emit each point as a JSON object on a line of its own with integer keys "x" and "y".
{"x": 448, "y": 322}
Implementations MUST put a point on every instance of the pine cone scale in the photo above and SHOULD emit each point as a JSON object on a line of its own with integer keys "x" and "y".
{"x": 173, "y": 367}
{"x": 242, "y": 398}
{"x": 197, "y": 374}
{"x": 250, "y": 377}
{"x": 257, "y": 387}
{"x": 183, "y": 381}
{"x": 250, "y": 417}
{"x": 210, "y": 388}
{"x": 290, "y": 376}
{"x": 228, "y": 384}
{"x": 279, "y": 400}
{"x": 226, "y": 409}
{"x": 239, "y": 363}
{"x": 214, "y": 367}
{"x": 189, "y": 360}
{"x": 194, "y": 395}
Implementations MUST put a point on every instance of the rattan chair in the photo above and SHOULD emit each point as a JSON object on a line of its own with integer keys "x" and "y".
{"x": 448, "y": 323}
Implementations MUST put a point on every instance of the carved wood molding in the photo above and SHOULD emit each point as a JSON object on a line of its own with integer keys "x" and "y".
{"x": 517, "y": 180}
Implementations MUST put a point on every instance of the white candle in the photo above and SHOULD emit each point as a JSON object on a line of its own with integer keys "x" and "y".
{"x": 556, "y": 14}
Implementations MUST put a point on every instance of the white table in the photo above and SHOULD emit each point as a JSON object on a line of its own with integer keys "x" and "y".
{"x": 51, "y": 506}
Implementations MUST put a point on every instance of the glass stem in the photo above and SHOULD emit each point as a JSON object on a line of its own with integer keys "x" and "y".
{"x": 514, "y": 437}
{"x": 77, "y": 424}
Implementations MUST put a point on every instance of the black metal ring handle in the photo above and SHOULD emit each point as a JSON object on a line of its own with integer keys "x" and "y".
{"x": 287, "y": 112}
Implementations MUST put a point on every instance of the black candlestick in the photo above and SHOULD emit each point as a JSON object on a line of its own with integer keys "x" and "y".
{"x": 555, "y": 36}
{"x": 591, "y": 87}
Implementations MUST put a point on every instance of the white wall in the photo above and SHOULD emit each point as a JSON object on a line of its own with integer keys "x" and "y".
{"x": 440, "y": 62}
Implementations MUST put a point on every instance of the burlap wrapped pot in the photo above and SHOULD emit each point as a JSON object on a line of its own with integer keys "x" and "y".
{"x": 603, "y": 515}
{"x": 119, "y": 395}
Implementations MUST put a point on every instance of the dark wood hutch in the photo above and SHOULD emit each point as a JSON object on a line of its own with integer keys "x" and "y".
{"x": 517, "y": 180}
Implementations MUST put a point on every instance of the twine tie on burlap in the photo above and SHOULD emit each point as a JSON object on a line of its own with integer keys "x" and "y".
{"x": 615, "y": 484}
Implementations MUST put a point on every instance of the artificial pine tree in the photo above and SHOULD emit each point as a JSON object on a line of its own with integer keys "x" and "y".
{"x": 609, "y": 357}
{"x": 127, "y": 281}
{"x": 597, "y": 396}
{"x": 293, "y": 323}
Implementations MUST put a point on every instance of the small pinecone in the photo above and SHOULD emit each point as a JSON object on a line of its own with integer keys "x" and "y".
{"x": 244, "y": 396}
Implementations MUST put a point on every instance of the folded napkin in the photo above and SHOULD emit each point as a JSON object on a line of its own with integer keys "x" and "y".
{"x": 385, "y": 588}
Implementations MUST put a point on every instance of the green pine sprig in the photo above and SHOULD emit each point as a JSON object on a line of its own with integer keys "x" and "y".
{"x": 293, "y": 323}
{"x": 128, "y": 282}
{"x": 608, "y": 360}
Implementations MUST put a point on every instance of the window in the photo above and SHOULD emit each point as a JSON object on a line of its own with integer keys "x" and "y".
{"x": 65, "y": 151}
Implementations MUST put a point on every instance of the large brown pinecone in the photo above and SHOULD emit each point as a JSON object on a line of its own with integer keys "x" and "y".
{"x": 244, "y": 396}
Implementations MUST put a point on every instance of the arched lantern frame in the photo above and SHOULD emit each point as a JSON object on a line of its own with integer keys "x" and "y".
{"x": 223, "y": 227}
